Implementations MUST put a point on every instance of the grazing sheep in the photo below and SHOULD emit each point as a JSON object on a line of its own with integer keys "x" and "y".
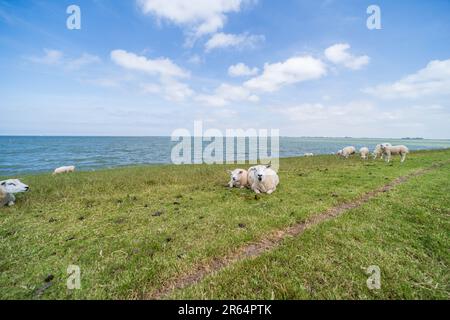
{"x": 263, "y": 179}
{"x": 377, "y": 151}
{"x": 64, "y": 170}
{"x": 7, "y": 190}
{"x": 364, "y": 152}
{"x": 308, "y": 154}
{"x": 238, "y": 178}
{"x": 346, "y": 152}
{"x": 388, "y": 151}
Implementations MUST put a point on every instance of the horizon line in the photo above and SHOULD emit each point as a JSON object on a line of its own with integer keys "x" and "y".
{"x": 168, "y": 136}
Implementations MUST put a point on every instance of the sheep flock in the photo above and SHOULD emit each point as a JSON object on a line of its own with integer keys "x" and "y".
{"x": 260, "y": 178}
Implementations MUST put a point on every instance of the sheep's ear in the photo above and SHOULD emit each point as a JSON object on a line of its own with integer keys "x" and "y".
{"x": 4, "y": 183}
{"x": 269, "y": 164}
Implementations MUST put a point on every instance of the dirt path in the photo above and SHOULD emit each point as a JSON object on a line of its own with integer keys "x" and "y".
{"x": 274, "y": 239}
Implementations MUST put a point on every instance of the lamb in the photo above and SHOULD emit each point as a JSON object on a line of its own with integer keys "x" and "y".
{"x": 7, "y": 190}
{"x": 346, "y": 152}
{"x": 364, "y": 152}
{"x": 238, "y": 178}
{"x": 377, "y": 151}
{"x": 263, "y": 179}
{"x": 308, "y": 154}
{"x": 66, "y": 169}
{"x": 388, "y": 151}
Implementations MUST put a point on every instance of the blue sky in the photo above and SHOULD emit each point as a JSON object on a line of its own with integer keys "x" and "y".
{"x": 148, "y": 67}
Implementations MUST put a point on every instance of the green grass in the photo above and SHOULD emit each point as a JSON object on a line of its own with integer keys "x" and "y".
{"x": 406, "y": 233}
{"x": 104, "y": 222}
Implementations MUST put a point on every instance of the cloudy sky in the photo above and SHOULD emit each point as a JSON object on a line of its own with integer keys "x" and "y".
{"x": 148, "y": 67}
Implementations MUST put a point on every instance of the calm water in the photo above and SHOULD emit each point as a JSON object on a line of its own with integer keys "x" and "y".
{"x": 24, "y": 155}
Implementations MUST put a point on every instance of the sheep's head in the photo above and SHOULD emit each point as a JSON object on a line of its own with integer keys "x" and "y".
{"x": 236, "y": 175}
{"x": 262, "y": 171}
{"x": 339, "y": 153}
{"x": 14, "y": 186}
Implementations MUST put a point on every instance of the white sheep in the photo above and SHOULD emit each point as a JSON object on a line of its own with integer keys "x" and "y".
{"x": 388, "y": 151}
{"x": 377, "y": 152}
{"x": 263, "y": 179}
{"x": 238, "y": 178}
{"x": 7, "y": 190}
{"x": 364, "y": 152}
{"x": 346, "y": 152}
{"x": 66, "y": 169}
{"x": 308, "y": 154}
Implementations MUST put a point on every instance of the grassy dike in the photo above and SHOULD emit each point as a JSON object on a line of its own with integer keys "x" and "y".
{"x": 133, "y": 230}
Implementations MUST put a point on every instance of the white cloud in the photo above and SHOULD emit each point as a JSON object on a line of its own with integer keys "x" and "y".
{"x": 50, "y": 57}
{"x": 211, "y": 100}
{"x": 242, "y": 70}
{"x": 57, "y": 58}
{"x": 170, "y": 89}
{"x": 253, "y": 98}
{"x": 226, "y": 40}
{"x": 351, "y": 113}
{"x": 362, "y": 118}
{"x": 338, "y": 54}
{"x": 200, "y": 16}
{"x": 225, "y": 94}
{"x": 434, "y": 79}
{"x": 161, "y": 66}
{"x": 293, "y": 70}
{"x": 166, "y": 71}
{"x": 195, "y": 59}
{"x": 175, "y": 90}
{"x": 85, "y": 59}
{"x": 234, "y": 93}
{"x": 151, "y": 88}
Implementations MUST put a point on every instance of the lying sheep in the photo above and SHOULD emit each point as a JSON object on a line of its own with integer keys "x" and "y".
{"x": 364, "y": 152}
{"x": 346, "y": 152}
{"x": 377, "y": 152}
{"x": 308, "y": 154}
{"x": 388, "y": 151}
{"x": 263, "y": 179}
{"x": 238, "y": 178}
{"x": 7, "y": 190}
{"x": 66, "y": 169}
